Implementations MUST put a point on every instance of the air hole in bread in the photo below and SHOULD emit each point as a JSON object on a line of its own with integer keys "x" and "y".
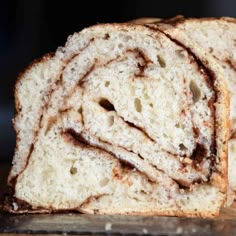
{"x": 161, "y": 61}
{"x": 210, "y": 49}
{"x": 110, "y": 121}
{"x": 103, "y": 182}
{"x": 107, "y": 83}
{"x": 106, "y": 104}
{"x": 137, "y": 105}
{"x": 196, "y": 93}
{"x": 177, "y": 125}
{"x": 106, "y": 36}
{"x": 150, "y": 104}
{"x": 120, "y": 45}
{"x": 180, "y": 53}
{"x": 73, "y": 170}
{"x": 127, "y": 38}
{"x": 51, "y": 121}
{"x": 182, "y": 147}
{"x": 180, "y": 125}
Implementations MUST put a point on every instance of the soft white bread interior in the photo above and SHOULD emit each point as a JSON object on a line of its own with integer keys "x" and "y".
{"x": 122, "y": 120}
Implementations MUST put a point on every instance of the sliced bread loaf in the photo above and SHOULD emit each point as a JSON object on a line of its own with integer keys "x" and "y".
{"x": 121, "y": 120}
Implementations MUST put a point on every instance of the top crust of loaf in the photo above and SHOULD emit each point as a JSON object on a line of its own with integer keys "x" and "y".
{"x": 179, "y": 19}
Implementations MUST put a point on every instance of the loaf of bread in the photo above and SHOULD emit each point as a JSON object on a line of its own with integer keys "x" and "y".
{"x": 218, "y": 37}
{"x": 121, "y": 120}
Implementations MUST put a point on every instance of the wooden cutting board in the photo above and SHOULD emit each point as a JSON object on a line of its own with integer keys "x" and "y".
{"x": 82, "y": 224}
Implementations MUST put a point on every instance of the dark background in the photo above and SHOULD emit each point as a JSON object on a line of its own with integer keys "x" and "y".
{"x": 31, "y": 28}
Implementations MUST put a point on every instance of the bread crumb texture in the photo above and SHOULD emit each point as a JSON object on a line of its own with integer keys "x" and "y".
{"x": 121, "y": 120}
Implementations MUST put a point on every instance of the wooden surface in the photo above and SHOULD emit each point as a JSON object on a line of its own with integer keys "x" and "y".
{"x": 84, "y": 224}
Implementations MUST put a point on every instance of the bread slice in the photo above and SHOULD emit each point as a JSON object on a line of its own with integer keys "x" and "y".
{"x": 121, "y": 120}
{"x": 218, "y": 37}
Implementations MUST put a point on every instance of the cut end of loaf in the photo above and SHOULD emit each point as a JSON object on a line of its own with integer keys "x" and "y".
{"x": 124, "y": 122}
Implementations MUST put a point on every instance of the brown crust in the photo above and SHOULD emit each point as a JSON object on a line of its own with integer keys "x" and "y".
{"x": 180, "y": 19}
